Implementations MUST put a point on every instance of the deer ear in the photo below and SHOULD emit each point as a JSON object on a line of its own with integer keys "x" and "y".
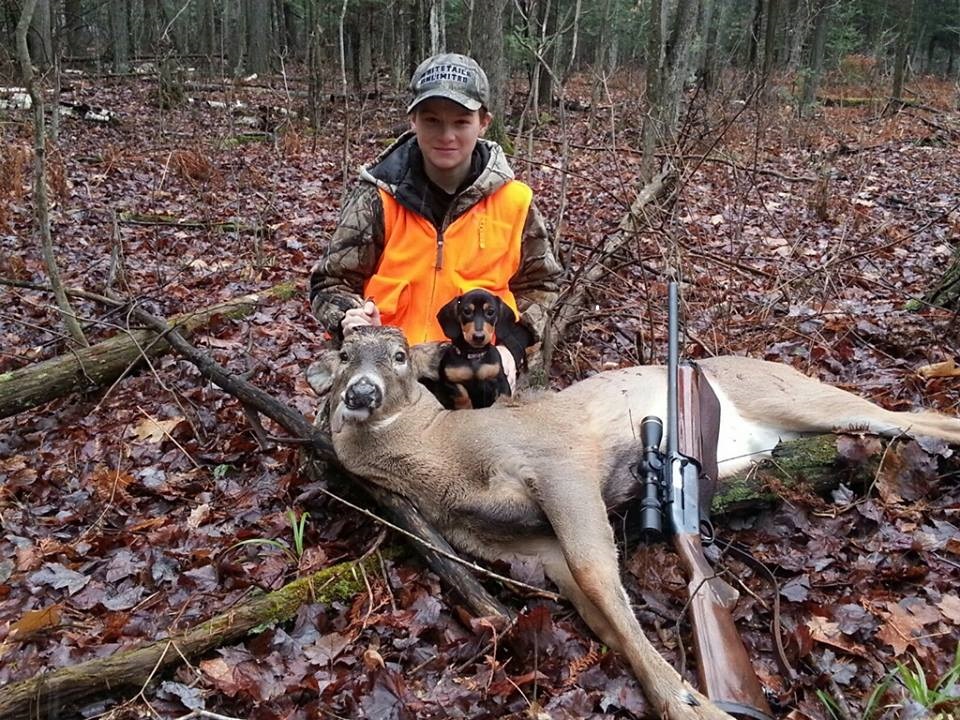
{"x": 320, "y": 374}
{"x": 447, "y": 317}
{"x": 512, "y": 334}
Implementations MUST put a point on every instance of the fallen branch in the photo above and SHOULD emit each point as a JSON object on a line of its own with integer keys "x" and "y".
{"x": 95, "y": 366}
{"x": 641, "y": 215}
{"x": 59, "y": 693}
{"x": 441, "y": 558}
{"x": 224, "y": 225}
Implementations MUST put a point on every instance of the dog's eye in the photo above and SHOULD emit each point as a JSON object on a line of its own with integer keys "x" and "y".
{"x": 343, "y": 356}
{"x": 400, "y": 356}
{"x": 489, "y": 311}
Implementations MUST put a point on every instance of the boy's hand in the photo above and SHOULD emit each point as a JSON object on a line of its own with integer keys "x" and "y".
{"x": 358, "y": 317}
{"x": 509, "y": 366}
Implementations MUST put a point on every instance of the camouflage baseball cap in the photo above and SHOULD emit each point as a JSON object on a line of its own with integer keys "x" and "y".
{"x": 452, "y": 76}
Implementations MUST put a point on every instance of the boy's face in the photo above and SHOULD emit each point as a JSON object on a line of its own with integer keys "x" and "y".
{"x": 447, "y": 132}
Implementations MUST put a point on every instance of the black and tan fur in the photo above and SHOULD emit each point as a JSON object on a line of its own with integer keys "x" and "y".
{"x": 471, "y": 369}
{"x": 537, "y": 478}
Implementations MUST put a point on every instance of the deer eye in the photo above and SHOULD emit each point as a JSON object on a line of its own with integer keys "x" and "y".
{"x": 343, "y": 356}
{"x": 400, "y": 356}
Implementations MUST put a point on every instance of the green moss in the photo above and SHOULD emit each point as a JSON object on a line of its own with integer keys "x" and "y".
{"x": 285, "y": 291}
{"x": 5, "y": 376}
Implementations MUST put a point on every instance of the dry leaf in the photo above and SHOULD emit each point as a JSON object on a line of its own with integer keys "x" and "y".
{"x": 33, "y": 621}
{"x": 950, "y": 607}
{"x": 827, "y": 632}
{"x": 947, "y": 368}
{"x": 198, "y": 515}
{"x": 156, "y": 430}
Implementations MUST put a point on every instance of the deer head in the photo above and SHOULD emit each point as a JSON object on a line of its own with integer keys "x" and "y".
{"x": 372, "y": 376}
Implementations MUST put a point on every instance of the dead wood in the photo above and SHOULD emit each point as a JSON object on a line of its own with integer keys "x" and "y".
{"x": 808, "y": 465}
{"x": 432, "y": 545}
{"x": 643, "y": 214}
{"x": 92, "y": 367}
{"x": 59, "y": 693}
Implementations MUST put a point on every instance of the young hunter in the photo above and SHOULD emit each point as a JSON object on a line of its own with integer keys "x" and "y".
{"x": 435, "y": 215}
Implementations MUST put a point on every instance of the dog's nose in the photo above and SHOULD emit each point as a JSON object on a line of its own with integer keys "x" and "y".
{"x": 362, "y": 394}
{"x": 479, "y": 338}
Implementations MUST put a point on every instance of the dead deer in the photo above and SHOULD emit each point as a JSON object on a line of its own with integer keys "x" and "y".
{"x": 538, "y": 477}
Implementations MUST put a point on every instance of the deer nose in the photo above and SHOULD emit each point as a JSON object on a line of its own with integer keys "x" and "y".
{"x": 362, "y": 394}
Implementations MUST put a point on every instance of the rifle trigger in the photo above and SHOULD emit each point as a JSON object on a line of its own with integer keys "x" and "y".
{"x": 708, "y": 533}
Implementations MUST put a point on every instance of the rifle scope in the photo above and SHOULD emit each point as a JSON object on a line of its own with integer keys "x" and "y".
{"x": 651, "y": 467}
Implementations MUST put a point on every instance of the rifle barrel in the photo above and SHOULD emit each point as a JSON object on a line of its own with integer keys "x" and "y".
{"x": 673, "y": 361}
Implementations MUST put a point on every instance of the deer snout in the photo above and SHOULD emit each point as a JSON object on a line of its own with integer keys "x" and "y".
{"x": 363, "y": 394}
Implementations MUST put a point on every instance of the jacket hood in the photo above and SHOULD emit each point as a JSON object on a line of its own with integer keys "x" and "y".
{"x": 398, "y": 170}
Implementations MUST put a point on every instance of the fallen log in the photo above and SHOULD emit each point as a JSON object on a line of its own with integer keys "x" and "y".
{"x": 809, "y": 465}
{"x": 60, "y": 693}
{"x": 92, "y": 367}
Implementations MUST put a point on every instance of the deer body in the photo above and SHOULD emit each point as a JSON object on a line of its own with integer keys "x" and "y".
{"x": 538, "y": 477}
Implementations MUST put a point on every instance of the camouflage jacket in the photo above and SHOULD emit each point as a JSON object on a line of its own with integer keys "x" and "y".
{"x": 353, "y": 254}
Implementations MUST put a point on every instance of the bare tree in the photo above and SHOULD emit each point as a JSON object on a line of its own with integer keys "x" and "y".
{"x": 120, "y": 36}
{"x": 40, "y": 41}
{"x": 903, "y": 10}
{"x": 258, "y": 23}
{"x": 40, "y": 176}
{"x": 668, "y": 60}
{"x": 488, "y": 24}
{"x": 811, "y": 76}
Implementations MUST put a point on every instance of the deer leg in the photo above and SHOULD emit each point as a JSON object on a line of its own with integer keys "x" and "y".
{"x": 579, "y": 519}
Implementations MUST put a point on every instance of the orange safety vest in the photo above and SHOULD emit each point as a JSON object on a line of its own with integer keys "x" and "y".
{"x": 422, "y": 269}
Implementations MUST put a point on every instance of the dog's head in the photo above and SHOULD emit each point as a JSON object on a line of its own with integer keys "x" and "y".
{"x": 478, "y": 315}
{"x": 372, "y": 376}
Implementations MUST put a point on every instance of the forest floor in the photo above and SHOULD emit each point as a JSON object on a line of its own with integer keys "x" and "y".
{"x": 799, "y": 240}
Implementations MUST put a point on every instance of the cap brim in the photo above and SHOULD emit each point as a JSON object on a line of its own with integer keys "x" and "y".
{"x": 468, "y": 102}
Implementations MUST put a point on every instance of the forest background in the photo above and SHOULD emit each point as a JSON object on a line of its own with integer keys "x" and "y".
{"x": 794, "y": 160}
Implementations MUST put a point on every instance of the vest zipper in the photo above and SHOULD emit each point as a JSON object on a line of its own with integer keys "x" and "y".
{"x": 439, "y": 264}
{"x": 433, "y": 287}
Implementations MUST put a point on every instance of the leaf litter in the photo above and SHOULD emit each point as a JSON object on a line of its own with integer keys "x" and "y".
{"x": 118, "y": 529}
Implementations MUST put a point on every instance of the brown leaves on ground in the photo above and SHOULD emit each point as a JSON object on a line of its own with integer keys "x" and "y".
{"x": 800, "y": 241}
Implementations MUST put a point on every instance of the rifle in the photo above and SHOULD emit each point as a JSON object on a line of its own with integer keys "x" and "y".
{"x": 677, "y": 487}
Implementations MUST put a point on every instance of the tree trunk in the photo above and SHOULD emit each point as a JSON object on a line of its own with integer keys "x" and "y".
{"x": 667, "y": 64}
{"x": 119, "y": 36}
{"x": 946, "y": 293}
{"x": 151, "y": 27}
{"x": 814, "y": 69}
{"x": 59, "y": 693}
{"x": 770, "y": 37}
{"x": 904, "y": 14}
{"x": 73, "y": 26}
{"x": 208, "y": 34}
{"x": 103, "y": 363}
{"x": 438, "y": 40}
{"x": 234, "y": 35}
{"x": 708, "y": 31}
{"x": 40, "y": 39}
{"x": 42, "y": 205}
{"x": 258, "y": 24}
{"x": 488, "y": 24}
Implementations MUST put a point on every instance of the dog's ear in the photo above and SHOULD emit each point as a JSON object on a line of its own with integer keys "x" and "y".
{"x": 449, "y": 322}
{"x": 320, "y": 374}
{"x": 512, "y": 334}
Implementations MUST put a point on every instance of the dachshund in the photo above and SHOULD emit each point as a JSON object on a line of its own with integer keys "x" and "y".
{"x": 471, "y": 370}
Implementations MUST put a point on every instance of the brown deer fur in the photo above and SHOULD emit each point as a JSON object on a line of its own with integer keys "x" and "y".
{"x": 537, "y": 477}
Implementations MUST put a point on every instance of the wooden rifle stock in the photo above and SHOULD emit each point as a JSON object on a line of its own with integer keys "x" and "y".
{"x": 726, "y": 674}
